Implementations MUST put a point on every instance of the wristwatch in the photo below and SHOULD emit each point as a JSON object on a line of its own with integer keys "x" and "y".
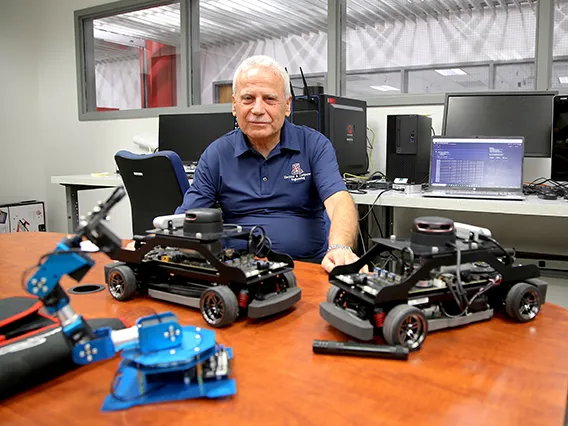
{"x": 339, "y": 246}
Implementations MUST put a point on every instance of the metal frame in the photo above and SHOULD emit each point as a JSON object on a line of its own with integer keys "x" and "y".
{"x": 362, "y": 11}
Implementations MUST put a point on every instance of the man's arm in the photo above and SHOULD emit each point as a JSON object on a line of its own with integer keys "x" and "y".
{"x": 343, "y": 231}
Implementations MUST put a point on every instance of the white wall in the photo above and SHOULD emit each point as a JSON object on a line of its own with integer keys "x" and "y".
{"x": 22, "y": 144}
{"x": 70, "y": 146}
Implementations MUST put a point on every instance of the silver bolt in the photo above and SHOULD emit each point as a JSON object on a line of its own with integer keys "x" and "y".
{"x": 197, "y": 328}
{"x": 82, "y": 354}
{"x": 96, "y": 209}
{"x": 35, "y": 290}
{"x": 166, "y": 334}
{"x": 43, "y": 280}
{"x": 89, "y": 358}
{"x": 435, "y": 250}
{"x": 173, "y": 351}
{"x": 173, "y": 339}
{"x": 107, "y": 217}
{"x": 393, "y": 238}
{"x": 196, "y": 349}
{"x": 178, "y": 332}
{"x": 95, "y": 351}
{"x": 34, "y": 281}
{"x": 87, "y": 347}
{"x": 197, "y": 336}
{"x": 45, "y": 289}
{"x": 198, "y": 235}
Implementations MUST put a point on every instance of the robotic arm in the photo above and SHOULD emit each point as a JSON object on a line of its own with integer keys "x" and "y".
{"x": 156, "y": 346}
{"x": 68, "y": 259}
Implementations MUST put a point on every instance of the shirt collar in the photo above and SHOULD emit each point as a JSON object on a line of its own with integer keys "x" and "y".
{"x": 287, "y": 140}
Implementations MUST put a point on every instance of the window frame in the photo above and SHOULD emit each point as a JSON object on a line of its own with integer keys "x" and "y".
{"x": 336, "y": 60}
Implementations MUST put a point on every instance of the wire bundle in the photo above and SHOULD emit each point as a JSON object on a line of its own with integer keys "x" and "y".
{"x": 543, "y": 185}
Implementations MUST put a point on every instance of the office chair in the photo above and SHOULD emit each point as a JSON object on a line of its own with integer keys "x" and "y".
{"x": 155, "y": 183}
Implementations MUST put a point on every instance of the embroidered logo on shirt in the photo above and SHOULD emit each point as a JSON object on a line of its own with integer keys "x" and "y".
{"x": 296, "y": 169}
{"x": 297, "y": 174}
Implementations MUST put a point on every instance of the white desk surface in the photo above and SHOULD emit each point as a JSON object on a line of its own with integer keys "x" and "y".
{"x": 106, "y": 180}
{"x": 532, "y": 206}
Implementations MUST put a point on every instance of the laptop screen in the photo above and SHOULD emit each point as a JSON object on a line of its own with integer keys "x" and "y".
{"x": 490, "y": 163}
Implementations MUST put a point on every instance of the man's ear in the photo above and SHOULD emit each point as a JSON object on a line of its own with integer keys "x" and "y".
{"x": 233, "y": 107}
{"x": 288, "y": 105}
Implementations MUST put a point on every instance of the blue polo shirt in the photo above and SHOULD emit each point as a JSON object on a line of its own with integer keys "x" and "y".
{"x": 283, "y": 193}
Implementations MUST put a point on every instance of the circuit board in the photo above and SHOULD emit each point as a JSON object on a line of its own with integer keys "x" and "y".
{"x": 246, "y": 262}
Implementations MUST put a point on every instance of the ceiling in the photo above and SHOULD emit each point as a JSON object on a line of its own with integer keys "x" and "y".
{"x": 225, "y": 22}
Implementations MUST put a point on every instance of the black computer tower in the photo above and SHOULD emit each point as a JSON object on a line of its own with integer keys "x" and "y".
{"x": 409, "y": 141}
{"x": 343, "y": 121}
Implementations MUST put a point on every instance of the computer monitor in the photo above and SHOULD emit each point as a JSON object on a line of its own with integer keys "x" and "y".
{"x": 482, "y": 163}
{"x": 526, "y": 114}
{"x": 189, "y": 134}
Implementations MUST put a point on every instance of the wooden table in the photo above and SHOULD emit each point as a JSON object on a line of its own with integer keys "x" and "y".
{"x": 497, "y": 372}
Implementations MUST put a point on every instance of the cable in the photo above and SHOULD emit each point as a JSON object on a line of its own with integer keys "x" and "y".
{"x": 378, "y": 224}
{"x": 362, "y": 239}
{"x": 461, "y": 292}
{"x": 510, "y": 260}
{"x": 411, "y": 255}
{"x": 371, "y": 147}
{"x": 373, "y": 205}
{"x": 257, "y": 247}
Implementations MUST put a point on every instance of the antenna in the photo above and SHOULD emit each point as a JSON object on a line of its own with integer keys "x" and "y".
{"x": 291, "y": 87}
{"x": 306, "y": 91}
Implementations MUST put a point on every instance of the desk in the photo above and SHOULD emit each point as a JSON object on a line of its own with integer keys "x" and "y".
{"x": 532, "y": 206}
{"x": 492, "y": 373}
{"x": 75, "y": 183}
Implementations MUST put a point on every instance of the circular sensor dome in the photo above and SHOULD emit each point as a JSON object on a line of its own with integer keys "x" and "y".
{"x": 432, "y": 231}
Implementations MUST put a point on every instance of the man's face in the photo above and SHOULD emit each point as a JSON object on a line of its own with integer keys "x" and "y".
{"x": 260, "y": 104}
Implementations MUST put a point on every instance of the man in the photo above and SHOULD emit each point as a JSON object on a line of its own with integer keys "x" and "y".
{"x": 275, "y": 174}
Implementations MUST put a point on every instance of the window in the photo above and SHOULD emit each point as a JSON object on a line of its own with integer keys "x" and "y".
{"x": 380, "y": 83}
{"x": 440, "y": 46}
{"x": 560, "y": 45}
{"x": 449, "y": 79}
{"x": 294, "y": 32}
{"x": 133, "y": 58}
{"x": 517, "y": 76}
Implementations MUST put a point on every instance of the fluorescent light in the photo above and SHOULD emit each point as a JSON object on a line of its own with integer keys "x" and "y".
{"x": 385, "y": 88}
{"x": 563, "y": 80}
{"x": 451, "y": 71}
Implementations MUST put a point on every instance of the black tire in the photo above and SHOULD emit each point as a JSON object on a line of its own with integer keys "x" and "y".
{"x": 332, "y": 294}
{"x": 290, "y": 279}
{"x": 401, "y": 320}
{"x": 219, "y": 306}
{"x": 121, "y": 282}
{"x": 523, "y": 302}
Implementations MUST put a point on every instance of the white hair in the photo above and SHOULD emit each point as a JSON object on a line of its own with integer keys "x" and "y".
{"x": 263, "y": 62}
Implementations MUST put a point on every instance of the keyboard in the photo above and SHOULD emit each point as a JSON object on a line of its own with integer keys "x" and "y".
{"x": 486, "y": 195}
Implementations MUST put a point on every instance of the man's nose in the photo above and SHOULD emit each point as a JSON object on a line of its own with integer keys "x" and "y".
{"x": 258, "y": 107}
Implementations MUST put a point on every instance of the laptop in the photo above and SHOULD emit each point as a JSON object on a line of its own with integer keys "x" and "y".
{"x": 479, "y": 167}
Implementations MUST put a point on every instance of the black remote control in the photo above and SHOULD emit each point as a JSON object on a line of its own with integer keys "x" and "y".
{"x": 360, "y": 349}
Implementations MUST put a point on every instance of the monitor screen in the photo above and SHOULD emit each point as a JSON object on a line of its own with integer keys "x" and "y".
{"x": 189, "y": 134}
{"x": 560, "y": 139}
{"x": 492, "y": 163}
{"x": 526, "y": 114}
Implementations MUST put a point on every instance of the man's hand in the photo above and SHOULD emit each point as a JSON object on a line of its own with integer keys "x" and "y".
{"x": 338, "y": 256}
